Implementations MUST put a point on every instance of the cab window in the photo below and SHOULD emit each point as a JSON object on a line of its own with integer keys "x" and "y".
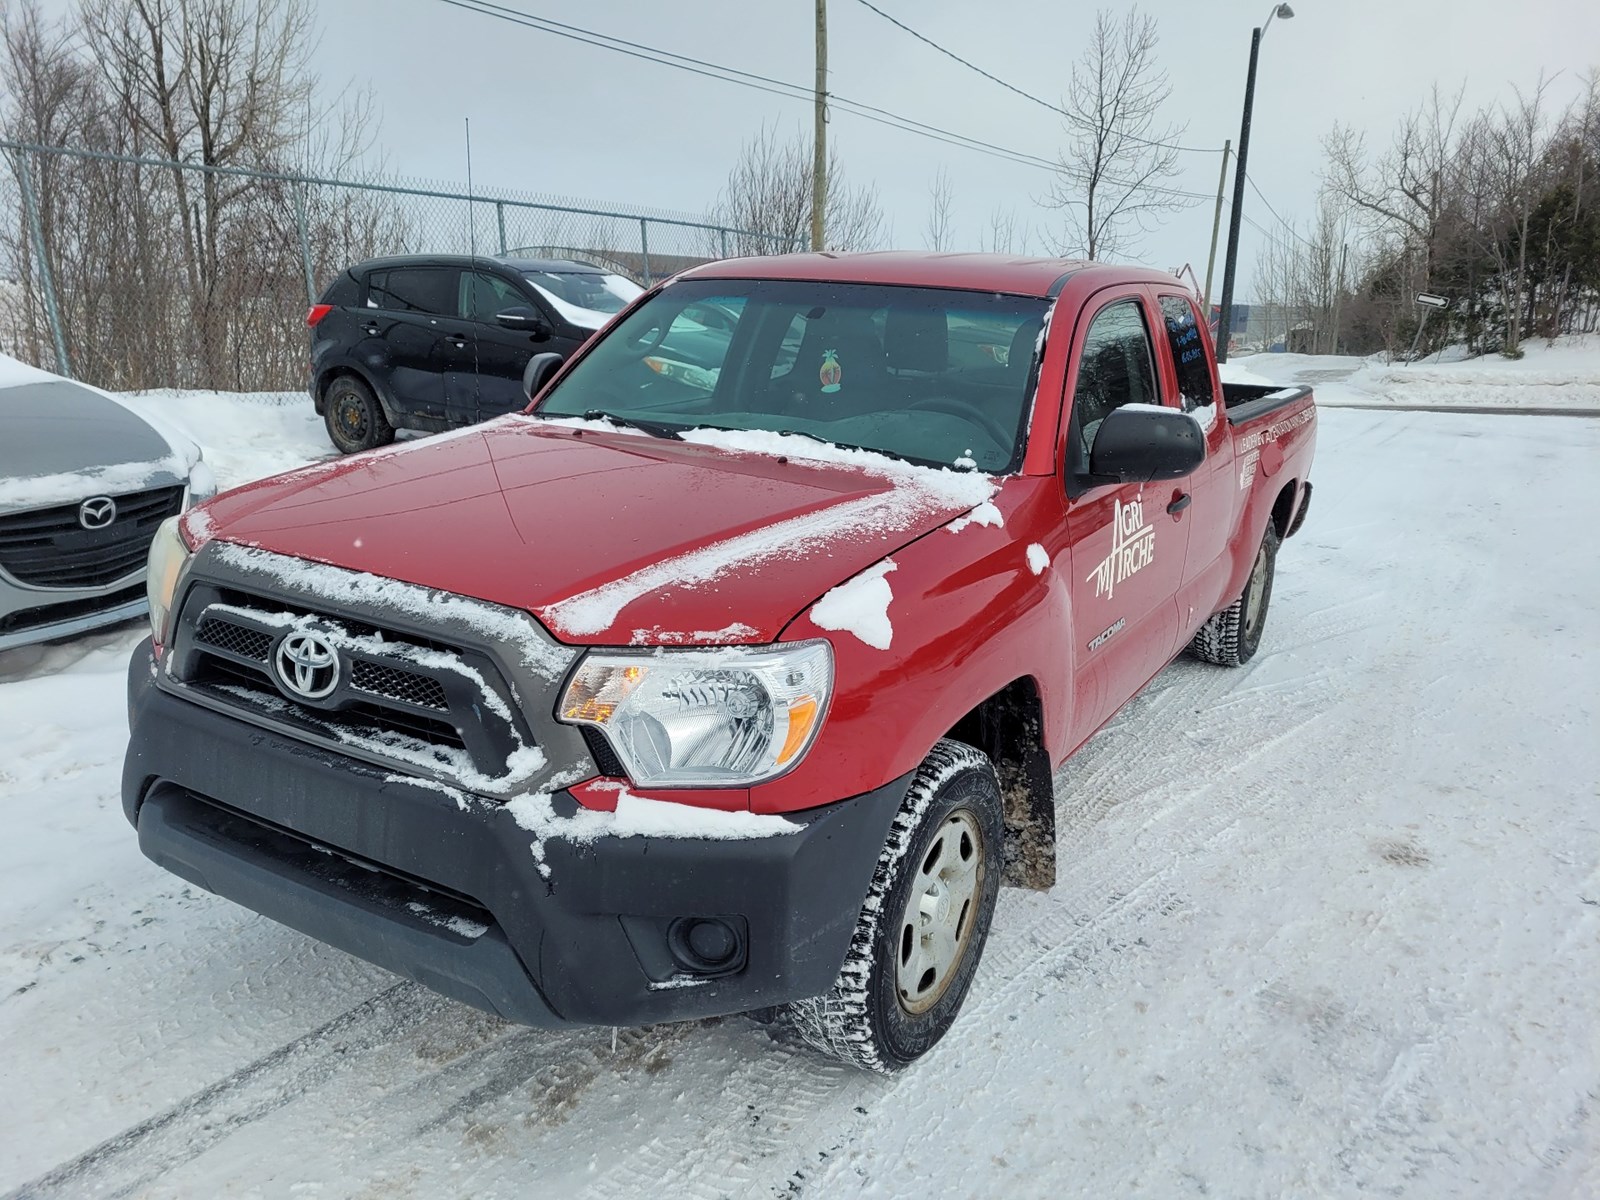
{"x": 1195, "y": 387}
{"x": 1116, "y": 368}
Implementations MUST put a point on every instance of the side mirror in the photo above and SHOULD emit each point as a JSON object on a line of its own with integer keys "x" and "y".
{"x": 521, "y": 317}
{"x": 538, "y": 371}
{"x": 1139, "y": 443}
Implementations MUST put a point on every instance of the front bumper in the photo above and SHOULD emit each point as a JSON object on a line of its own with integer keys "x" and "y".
{"x": 397, "y": 871}
{"x": 30, "y": 615}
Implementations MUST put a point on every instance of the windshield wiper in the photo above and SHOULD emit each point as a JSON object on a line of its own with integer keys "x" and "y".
{"x": 654, "y": 428}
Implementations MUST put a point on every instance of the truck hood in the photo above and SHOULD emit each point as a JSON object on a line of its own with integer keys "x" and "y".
{"x": 608, "y": 537}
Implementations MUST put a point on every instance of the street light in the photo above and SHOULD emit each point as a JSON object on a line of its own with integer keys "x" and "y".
{"x": 1225, "y": 319}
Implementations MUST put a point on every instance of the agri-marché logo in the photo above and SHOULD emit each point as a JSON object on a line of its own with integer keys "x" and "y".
{"x": 1133, "y": 548}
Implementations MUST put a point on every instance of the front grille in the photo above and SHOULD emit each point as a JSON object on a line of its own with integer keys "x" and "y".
{"x": 236, "y": 639}
{"x": 411, "y": 699}
{"x": 397, "y": 684}
{"x": 48, "y": 547}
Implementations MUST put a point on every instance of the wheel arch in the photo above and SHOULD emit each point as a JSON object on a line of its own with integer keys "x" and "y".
{"x": 1009, "y": 728}
{"x": 1283, "y": 508}
{"x": 327, "y": 375}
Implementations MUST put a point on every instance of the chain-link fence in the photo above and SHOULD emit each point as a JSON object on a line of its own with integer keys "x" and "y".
{"x": 132, "y": 273}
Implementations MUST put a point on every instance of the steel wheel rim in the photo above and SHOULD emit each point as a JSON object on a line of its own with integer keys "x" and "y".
{"x": 1258, "y": 587}
{"x": 351, "y": 415}
{"x": 941, "y": 907}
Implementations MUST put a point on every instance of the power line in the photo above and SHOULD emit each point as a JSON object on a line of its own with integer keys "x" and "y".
{"x": 760, "y": 83}
{"x": 1293, "y": 232}
{"x": 1011, "y": 87}
{"x": 777, "y": 87}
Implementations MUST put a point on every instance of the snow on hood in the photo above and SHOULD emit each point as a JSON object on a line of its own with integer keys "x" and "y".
{"x": 609, "y": 537}
{"x": 62, "y": 441}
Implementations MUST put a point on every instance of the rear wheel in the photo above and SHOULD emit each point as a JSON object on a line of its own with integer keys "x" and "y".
{"x": 354, "y": 417}
{"x": 922, "y": 930}
{"x": 1230, "y": 638}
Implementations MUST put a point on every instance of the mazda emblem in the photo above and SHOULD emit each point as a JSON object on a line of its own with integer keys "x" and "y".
{"x": 97, "y": 512}
{"x": 307, "y": 666}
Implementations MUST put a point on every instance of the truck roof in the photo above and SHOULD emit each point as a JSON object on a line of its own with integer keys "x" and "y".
{"x": 1008, "y": 273}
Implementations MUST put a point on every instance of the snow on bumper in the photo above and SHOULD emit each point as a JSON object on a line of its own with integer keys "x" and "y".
{"x": 456, "y": 901}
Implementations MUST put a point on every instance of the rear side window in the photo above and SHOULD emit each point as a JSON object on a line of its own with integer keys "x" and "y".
{"x": 1188, "y": 352}
{"x": 344, "y": 291}
{"x": 414, "y": 289}
{"x": 1117, "y": 368}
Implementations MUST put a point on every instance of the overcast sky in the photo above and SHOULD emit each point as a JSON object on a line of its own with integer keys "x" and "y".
{"x": 551, "y": 115}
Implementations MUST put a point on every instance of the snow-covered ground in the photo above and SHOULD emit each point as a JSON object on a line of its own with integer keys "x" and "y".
{"x": 1328, "y": 925}
{"x": 1565, "y": 374}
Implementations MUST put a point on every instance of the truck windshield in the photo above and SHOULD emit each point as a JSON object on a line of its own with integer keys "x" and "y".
{"x": 934, "y": 376}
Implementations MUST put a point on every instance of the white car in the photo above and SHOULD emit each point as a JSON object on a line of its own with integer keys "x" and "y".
{"x": 84, "y": 482}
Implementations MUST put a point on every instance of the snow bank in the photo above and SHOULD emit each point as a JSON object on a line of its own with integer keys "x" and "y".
{"x": 1563, "y": 375}
{"x": 245, "y": 436}
{"x": 860, "y": 606}
{"x": 1233, "y": 371}
{"x": 14, "y": 371}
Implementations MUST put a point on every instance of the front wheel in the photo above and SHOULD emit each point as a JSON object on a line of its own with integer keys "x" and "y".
{"x": 1231, "y": 637}
{"x": 355, "y": 419}
{"x": 922, "y": 929}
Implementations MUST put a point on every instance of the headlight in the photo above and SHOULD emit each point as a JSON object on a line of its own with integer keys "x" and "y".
{"x": 167, "y": 556}
{"x": 698, "y": 718}
{"x": 202, "y": 483}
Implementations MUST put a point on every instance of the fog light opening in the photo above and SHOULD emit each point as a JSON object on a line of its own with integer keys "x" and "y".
{"x": 707, "y": 945}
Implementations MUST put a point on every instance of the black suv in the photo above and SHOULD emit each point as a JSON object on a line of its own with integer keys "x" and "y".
{"x": 432, "y": 342}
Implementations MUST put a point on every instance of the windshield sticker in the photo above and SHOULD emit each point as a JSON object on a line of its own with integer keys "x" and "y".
{"x": 831, "y": 372}
{"x": 1133, "y": 548}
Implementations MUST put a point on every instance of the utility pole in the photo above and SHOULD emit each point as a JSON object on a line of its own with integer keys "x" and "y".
{"x": 1225, "y": 320}
{"x": 819, "y": 136}
{"x": 1216, "y": 224}
{"x": 1338, "y": 296}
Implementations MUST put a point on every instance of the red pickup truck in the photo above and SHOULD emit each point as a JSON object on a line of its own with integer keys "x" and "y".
{"x": 730, "y": 677}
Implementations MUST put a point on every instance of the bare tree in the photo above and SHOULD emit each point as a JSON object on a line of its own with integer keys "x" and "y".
{"x": 1109, "y": 178}
{"x": 940, "y": 194}
{"x": 768, "y": 198}
{"x": 1005, "y": 237}
{"x": 182, "y": 274}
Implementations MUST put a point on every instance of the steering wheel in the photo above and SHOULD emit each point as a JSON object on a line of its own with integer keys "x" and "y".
{"x": 960, "y": 408}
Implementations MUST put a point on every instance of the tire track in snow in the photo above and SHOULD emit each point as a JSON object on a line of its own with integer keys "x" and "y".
{"x": 794, "y": 1092}
{"x": 144, "y": 1152}
{"x": 785, "y": 1089}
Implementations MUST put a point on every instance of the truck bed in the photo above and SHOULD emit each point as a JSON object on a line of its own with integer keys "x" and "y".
{"x": 1245, "y": 402}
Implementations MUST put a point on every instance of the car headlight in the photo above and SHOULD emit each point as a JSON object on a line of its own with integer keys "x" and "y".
{"x": 704, "y": 718}
{"x": 202, "y": 483}
{"x": 167, "y": 557}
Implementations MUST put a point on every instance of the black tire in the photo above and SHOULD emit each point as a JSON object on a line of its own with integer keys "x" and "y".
{"x": 1230, "y": 638}
{"x": 354, "y": 418}
{"x": 867, "y": 1019}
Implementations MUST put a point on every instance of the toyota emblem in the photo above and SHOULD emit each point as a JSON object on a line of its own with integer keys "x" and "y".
{"x": 307, "y": 666}
{"x": 97, "y": 512}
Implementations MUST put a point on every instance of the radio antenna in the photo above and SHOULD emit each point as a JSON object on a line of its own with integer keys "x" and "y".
{"x": 472, "y": 208}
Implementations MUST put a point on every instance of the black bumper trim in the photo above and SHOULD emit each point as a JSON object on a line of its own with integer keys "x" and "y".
{"x": 279, "y": 877}
{"x": 209, "y": 794}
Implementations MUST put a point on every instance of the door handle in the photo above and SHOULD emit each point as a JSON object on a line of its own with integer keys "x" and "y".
{"x": 1179, "y": 503}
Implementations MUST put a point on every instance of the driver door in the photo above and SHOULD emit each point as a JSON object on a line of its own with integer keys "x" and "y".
{"x": 1126, "y": 541}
